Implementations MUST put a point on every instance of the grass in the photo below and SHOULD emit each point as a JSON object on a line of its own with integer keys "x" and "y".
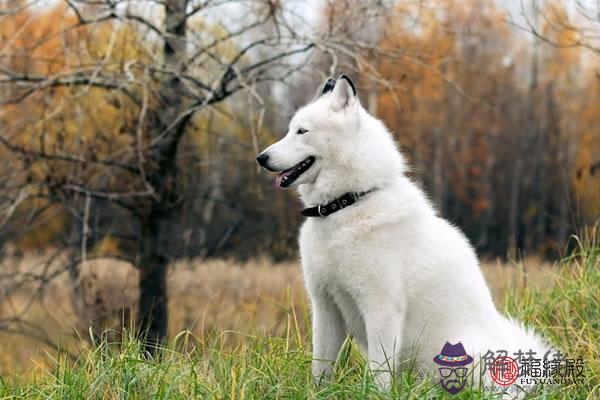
{"x": 264, "y": 366}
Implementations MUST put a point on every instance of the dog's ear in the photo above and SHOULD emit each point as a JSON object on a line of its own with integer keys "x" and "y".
{"x": 327, "y": 86}
{"x": 344, "y": 93}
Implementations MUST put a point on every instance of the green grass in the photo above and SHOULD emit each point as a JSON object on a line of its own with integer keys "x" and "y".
{"x": 279, "y": 367}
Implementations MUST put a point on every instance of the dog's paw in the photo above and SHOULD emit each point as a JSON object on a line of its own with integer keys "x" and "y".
{"x": 321, "y": 371}
{"x": 383, "y": 379}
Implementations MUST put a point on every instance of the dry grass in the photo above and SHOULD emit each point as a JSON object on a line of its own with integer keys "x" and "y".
{"x": 216, "y": 295}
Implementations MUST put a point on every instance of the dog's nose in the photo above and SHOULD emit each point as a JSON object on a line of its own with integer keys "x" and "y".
{"x": 262, "y": 159}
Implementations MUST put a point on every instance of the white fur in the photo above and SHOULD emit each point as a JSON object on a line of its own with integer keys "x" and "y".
{"x": 387, "y": 270}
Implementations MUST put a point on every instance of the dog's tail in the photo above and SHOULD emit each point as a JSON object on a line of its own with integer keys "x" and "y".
{"x": 524, "y": 344}
{"x": 526, "y": 340}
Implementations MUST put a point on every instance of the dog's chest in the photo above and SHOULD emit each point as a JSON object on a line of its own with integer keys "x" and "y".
{"x": 333, "y": 258}
{"x": 326, "y": 249}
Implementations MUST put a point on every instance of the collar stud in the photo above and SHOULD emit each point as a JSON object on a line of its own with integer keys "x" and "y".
{"x": 323, "y": 210}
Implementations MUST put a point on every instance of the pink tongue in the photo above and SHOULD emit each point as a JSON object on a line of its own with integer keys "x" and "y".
{"x": 280, "y": 177}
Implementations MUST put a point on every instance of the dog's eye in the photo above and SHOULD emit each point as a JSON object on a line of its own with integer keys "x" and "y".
{"x": 301, "y": 131}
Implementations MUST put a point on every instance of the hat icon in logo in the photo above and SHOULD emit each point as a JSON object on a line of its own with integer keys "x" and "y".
{"x": 453, "y": 358}
{"x": 453, "y": 355}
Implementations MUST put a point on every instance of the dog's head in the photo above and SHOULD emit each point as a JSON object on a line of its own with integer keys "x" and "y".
{"x": 300, "y": 155}
{"x": 331, "y": 144}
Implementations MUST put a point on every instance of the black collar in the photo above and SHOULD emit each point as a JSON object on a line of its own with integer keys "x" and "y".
{"x": 323, "y": 210}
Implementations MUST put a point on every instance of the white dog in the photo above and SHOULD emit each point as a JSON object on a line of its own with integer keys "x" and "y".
{"x": 380, "y": 265}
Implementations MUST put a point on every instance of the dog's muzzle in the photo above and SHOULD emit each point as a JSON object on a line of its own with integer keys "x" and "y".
{"x": 263, "y": 160}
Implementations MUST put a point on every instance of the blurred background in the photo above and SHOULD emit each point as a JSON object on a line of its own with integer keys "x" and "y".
{"x": 129, "y": 129}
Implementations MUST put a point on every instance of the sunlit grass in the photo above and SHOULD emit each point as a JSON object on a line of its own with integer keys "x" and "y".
{"x": 278, "y": 366}
{"x": 569, "y": 313}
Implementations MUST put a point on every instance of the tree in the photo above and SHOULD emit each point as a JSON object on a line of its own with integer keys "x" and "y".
{"x": 98, "y": 97}
{"x": 571, "y": 32}
{"x": 490, "y": 122}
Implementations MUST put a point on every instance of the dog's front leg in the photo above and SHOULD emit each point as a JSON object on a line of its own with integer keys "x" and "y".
{"x": 384, "y": 328}
{"x": 328, "y": 335}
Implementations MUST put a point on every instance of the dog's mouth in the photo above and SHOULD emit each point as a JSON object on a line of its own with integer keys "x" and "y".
{"x": 289, "y": 176}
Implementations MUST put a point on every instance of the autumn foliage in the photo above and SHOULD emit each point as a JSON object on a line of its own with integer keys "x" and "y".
{"x": 501, "y": 128}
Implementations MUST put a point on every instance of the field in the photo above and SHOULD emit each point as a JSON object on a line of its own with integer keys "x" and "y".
{"x": 240, "y": 331}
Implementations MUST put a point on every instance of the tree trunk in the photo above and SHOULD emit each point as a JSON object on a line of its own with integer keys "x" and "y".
{"x": 153, "y": 315}
{"x": 521, "y": 172}
{"x": 214, "y": 192}
{"x": 438, "y": 173}
{"x": 167, "y": 128}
